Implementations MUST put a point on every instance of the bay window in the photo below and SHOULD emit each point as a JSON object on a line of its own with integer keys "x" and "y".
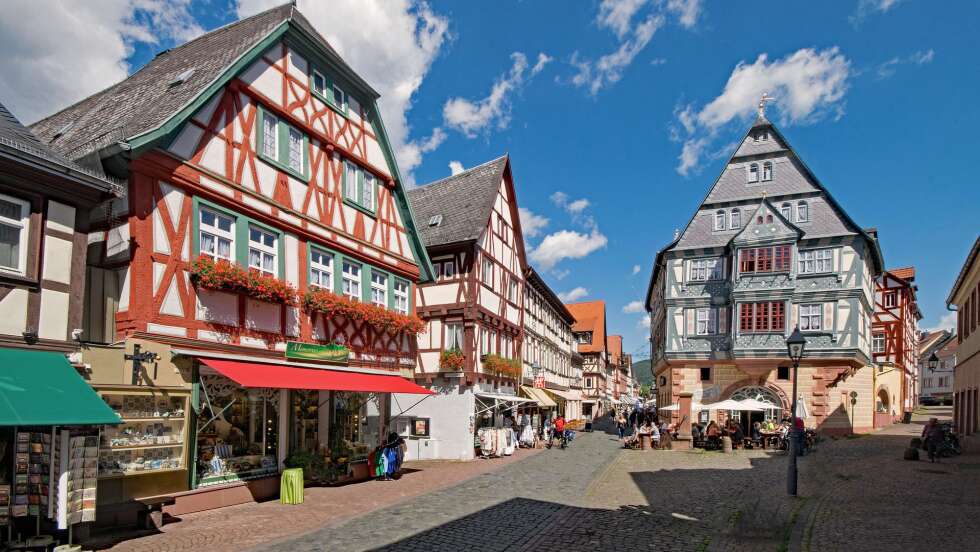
{"x": 811, "y": 317}
{"x": 706, "y": 321}
{"x": 815, "y": 261}
{"x": 216, "y": 235}
{"x": 14, "y": 216}
{"x": 765, "y": 259}
{"x": 762, "y": 317}
{"x": 263, "y": 248}
{"x": 706, "y": 269}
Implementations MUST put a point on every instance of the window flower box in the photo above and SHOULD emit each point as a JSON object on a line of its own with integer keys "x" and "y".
{"x": 503, "y": 367}
{"x": 222, "y": 275}
{"x": 452, "y": 360}
{"x": 328, "y": 303}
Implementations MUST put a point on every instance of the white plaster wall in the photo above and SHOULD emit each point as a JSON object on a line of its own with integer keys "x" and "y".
{"x": 14, "y": 308}
{"x": 440, "y": 294}
{"x": 61, "y": 217}
{"x": 450, "y": 413}
{"x": 57, "y": 260}
{"x": 53, "y": 323}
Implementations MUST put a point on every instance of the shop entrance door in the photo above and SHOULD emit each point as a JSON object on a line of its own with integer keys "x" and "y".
{"x": 304, "y": 420}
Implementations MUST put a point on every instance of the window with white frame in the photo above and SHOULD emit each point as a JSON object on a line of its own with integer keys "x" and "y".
{"x": 487, "y": 274}
{"x": 767, "y": 171}
{"x": 319, "y": 83}
{"x": 270, "y": 135}
{"x": 890, "y": 299}
{"x": 14, "y": 216}
{"x": 263, "y": 248}
{"x": 401, "y": 288}
{"x": 786, "y": 210}
{"x": 802, "y": 212}
{"x": 878, "y": 343}
{"x": 720, "y": 220}
{"x": 811, "y": 317}
{"x": 706, "y": 321}
{"x": 815, "y": 261}
{"x": 448, "y": 269}
{"x": 735, "y": 219}
{"x": 454, "y": 336}
{"x": 352, "y": 280}
{"x": 754, "y": 172}
{"x": 512, "y": 293}
{"x": 350, "y": 182}
{"x": 295, "y": 154}
{"x": 339, "y": 98}
{"x": 703, "y": 270}
{"x": 321, "y": 269}
{"x": 359, "y": 186}
{"x": 484, "y": 341}
{"x": 379, "y": 288}
{"x": 217, "y": 235}
{"x": 493, "y": 342}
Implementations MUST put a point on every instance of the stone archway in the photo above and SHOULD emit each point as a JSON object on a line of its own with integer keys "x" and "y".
{"x": 883, "y": 401}
{"x": 761, "y": 383}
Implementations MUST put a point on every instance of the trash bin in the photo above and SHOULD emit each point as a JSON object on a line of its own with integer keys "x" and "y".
{"x": 291, "y": 486}
{"x": 907, "y": 418}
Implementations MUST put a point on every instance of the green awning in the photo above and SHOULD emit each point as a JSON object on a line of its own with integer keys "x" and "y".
{"x": 41, "y": 388}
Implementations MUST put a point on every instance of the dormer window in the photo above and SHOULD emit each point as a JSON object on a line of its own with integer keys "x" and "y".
{"x": 802, "y": 212}
{"x": 720, "y": 220}
{"x": 769, "y": 219}
{"x": 765, "y": 135}
{"x": 754, "y": 172}
{"x": 787, "y": 211}
{"x": 735, "y": 219}
{"x": 767, "y": 171}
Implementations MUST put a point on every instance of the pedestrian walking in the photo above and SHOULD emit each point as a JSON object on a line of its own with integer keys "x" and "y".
{"x": 933, "y": 436}
{"x": 621, "y": 426}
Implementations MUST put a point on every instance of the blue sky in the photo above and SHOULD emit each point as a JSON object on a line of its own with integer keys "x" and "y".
{"x": 877, "y": 96}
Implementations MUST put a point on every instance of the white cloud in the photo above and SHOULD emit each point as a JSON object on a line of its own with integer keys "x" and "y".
{"x": 531, "y": 224}
{"x": 577, "y": 206}
{"x": 455, "y": 167}
{"x": 919, "y": 58}
{"x": 573, "y": 207}
{"x": 62, "y": 52}
{"x": 633, "y": 307}
{"x": 608, "y": 69}
{"x": 636, "y": 269}
{"x": 617, "y": 15}
{"x": 658, "y": 61}
{"x": 573, "y": 294}
{"x": 566, "y": 244}
{"x": 391, "y": 44}
{"x": 946, "y": 322}
{"x": 687, "y": 11}
{"x": 807, "y": 84}
{"x": 644, "y": 322}
{"x": 866, "y": 8}
{"x": 473, "y": 117}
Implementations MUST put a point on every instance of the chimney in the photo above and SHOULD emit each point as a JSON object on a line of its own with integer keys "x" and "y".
{"x": 873, "y": 232}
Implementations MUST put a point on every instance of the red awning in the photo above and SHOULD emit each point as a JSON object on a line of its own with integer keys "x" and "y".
{"x": 254, "y": 374}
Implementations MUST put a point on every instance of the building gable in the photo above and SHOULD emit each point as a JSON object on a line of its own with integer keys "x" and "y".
{"x": 766, "y": 225}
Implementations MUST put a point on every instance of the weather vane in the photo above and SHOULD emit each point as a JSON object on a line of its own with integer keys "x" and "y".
{"x": 762, "y": 103}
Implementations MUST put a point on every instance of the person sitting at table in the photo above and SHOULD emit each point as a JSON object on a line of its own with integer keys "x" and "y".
{"x": 756, "y": 433}
{"x": 696, "y": 432}
{"x": 737, "y": 435}
{"x": 655, "y": 435}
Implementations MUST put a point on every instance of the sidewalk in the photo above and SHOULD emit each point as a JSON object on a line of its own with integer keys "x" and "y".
{"x": 249, "y": 525}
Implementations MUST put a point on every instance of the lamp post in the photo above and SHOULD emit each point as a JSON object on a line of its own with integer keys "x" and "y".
{"x": 795, "y": 346}
{"x": 933, "y": 362}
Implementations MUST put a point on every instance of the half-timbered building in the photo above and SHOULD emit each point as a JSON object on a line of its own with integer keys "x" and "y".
{"x": 264, "y": 232}
{"x": 589, "y": 333}
{"x": 894, "y": 344}
{"x": 471, "y": 349}
{"x": 767, "y": 250}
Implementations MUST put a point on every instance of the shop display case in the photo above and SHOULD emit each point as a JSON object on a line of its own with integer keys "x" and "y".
{"x": 151, "y": 437}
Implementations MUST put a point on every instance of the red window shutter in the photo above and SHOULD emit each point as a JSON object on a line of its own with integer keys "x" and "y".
{"x": 761, "y": 317}
{"x": 778, "y": 316}
{"x": 745, "y": 317}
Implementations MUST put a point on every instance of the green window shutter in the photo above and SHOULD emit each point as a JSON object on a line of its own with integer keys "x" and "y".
{"x": 366, "y": 283}
{"x": 259, "y": 135}
{"x": 196, "y": 228}
{"x": 282, "y": 255}
{"x": 338, "y": 274}
{"x": 306, "y": 156}
{"x": 241, "y": 241}
{"x": 343, "y": 178}
{"x": 283, "y": 150}
{"x": 391, "y": 292}
{"x": 360, "y": 188}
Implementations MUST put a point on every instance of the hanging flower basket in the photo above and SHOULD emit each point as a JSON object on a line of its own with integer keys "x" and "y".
{"x": 452, "y": 360}
{"x": 503, "y": 367}
{"x": 329, "y": 303}
{"x": 222, "y": 275}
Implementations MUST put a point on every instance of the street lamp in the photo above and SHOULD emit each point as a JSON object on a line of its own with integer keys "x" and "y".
{"x": 795, "y": 346}
{"x": 933, "y": 362}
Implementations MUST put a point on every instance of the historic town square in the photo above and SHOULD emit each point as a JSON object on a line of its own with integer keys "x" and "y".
{"x": 431, "y": 275}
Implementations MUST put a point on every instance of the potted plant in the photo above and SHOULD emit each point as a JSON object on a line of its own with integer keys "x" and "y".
{"x": 452, "y": 360}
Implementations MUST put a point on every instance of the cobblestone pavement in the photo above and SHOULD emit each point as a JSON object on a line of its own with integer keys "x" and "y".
{"x": 247, "y": 525}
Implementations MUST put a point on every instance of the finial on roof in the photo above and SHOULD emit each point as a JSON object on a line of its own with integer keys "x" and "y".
{"x": 764, "y": 194}
{"x": 677, "y": 233}
{"x": 762, "y": 103}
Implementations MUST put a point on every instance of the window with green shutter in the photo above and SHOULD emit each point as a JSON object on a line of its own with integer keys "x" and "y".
{"x": 282, "y": 145}
{"x": 360, "y": 188}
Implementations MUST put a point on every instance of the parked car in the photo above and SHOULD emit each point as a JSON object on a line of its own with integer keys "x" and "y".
{"x": 929, "y": 401}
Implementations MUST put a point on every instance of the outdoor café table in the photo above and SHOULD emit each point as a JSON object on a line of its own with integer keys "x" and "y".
{"x": 645, "y": 442}
{"x": 769, "y": 437}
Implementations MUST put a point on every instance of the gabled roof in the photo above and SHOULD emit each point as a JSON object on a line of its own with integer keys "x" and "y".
{"x": 615, "y": 343}
{"x": 463, "y": 201}
{"x": 930, "y": 340}
{"x": 19, "y": 142}
{"x": 778, "y": 229}
{"x": 590, "y": 316}
{"x": 970, "y": 259}
{"x": 906, "y": 273}
{"x": 147, "y": 99}
{"x": 699, "y": 223}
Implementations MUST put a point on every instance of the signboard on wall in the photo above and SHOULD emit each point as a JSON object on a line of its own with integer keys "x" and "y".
{"x": 539, "y": 382}
{"x": 296, "y": 350}
{"x": 421, "y": 427}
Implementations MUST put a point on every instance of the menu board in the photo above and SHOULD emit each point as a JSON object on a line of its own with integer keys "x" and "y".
{"x": 32, "y": 473}
{"x": 4, "y": 505}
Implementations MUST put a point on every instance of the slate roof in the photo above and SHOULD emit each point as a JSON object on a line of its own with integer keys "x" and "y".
{"x": 590, "y": 316}
{"x": 464, "y": 201}
{"x": 146, "y": 99}
{"x": 17, "y": 140}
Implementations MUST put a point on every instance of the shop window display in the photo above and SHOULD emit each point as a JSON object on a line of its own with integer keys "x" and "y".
{"x": 237, "y": 432}
{"x": 150, "y": 438}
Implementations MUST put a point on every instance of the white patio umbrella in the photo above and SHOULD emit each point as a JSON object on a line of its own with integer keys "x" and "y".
{"x": 761, "y": 405}
{"x": 694, "y": 407}
{"x": 730, "y": 404}
{"x": 801, "y": 411}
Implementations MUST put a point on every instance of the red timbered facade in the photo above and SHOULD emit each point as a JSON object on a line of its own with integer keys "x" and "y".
{"x": 895, "y": 339}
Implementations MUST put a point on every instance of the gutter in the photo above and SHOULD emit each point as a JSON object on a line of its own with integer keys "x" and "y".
{"x": 80, "y": 177}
